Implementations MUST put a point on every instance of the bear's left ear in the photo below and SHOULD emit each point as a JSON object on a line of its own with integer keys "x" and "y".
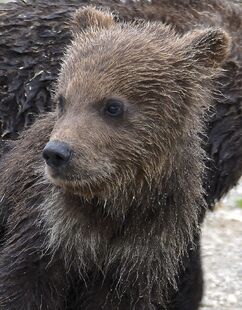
{"x": 90, "y": 17}
{"x": 207, "y": 47}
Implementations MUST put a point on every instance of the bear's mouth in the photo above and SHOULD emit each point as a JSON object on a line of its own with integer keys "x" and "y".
{"x": 64, "y": 175}
{"x": 83, "y": 183}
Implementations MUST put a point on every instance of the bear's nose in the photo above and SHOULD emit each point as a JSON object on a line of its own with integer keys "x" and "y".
{"x": 56, "y": 154}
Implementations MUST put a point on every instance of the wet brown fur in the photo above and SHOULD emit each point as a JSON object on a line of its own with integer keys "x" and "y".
{"x": 126, "y": 216}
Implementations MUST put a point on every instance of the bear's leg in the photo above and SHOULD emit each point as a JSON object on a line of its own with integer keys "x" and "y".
{"x": 29, "y": 278}
{"x": 190, "y": 285}
{"x": 104, "y": 295}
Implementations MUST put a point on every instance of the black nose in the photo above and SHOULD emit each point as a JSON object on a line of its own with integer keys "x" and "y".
{"x": 56, "y": 154}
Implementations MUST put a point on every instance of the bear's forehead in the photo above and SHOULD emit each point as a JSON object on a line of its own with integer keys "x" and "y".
{"x": 131, "y": 45}
{"x": 114, "y": 62}
{"x": 111, "y": 57}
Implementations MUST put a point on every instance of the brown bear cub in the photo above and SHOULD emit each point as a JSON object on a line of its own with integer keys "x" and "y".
{"x": 102, "y": 199}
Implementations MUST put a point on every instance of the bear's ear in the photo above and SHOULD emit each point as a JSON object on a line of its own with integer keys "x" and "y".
{"x": 90, "y": 17}
{"x": 208, "y": 47}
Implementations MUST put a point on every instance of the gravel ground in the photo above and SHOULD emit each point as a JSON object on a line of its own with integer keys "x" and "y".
{"x": 222, "y": 255}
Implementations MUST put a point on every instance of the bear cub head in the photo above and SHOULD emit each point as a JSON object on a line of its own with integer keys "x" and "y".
{"x": 128, "y": 96}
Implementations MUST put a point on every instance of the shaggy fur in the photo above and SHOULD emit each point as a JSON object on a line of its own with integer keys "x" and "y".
{"x": 25, "y": 92}
{"x": 120, "y": 228}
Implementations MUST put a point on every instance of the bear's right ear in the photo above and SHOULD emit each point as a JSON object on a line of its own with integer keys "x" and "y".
{"x": 90, "y": 17}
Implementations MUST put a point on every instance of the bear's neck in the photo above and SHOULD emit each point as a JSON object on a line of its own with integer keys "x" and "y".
{"x": 153, "y": 234}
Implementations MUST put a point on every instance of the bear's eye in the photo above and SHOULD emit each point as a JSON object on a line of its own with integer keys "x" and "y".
{"x": 114, "y": 107}
{"x": 61, "y": 104}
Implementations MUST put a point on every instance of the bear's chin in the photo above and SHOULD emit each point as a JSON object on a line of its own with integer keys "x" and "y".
{"x": 78, "y": 187}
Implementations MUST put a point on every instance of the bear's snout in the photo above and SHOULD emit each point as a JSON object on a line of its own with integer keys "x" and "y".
{"x": 57, "y": 154}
